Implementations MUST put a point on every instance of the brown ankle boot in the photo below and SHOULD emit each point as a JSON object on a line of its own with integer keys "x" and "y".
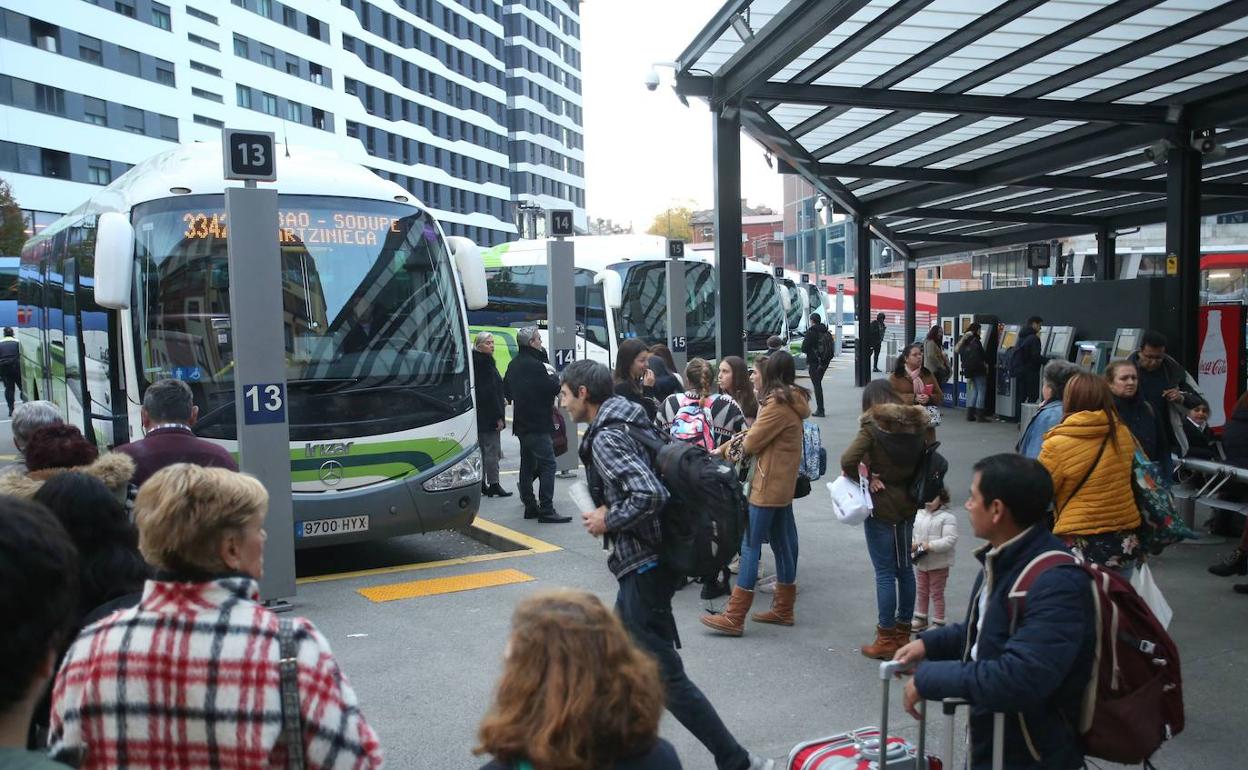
{"x": 884, "y": 646}
{"x": 901, "y": 635}
{"x": 732, "y": 620}
{"x": 781, "y": 612}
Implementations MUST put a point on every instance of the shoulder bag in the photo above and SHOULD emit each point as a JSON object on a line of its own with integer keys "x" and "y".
{"x": 1095, "y": 462}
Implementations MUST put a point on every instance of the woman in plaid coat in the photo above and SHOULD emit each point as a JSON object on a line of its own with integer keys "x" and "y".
{"x": 189, "y": 678}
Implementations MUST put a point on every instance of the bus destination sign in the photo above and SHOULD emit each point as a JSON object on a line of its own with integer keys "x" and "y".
{"x": 298, "y": 227}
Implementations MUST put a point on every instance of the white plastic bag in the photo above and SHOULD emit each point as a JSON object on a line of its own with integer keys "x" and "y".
{"x": 851, "y": 500}
{"x": 1144, "y": 585}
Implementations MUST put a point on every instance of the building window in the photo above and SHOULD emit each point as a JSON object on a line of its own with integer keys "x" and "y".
{"x": 94, "y": 111}
{"x": 241, "y": 48}
{"x": 124, "y": 8}
{"x": 204, "y": 121}
{"x": 268, "y": 104}
{"x": 132, "y": 119}
{"x": 318, "y": 118}
{"x": 265, "y": 8}
{"x": 204, "y": 68}
{"x": 99, "y": 171}
{"x": 205, "y": 42}
{"x": 292, "y": 68}
{"x": 164, "y": 75}
{"x": 53, "y": 163}
{"x": 49, "y": 99}
{"x": 208, "y": 17}
{"x": 244, "y": 96}
{"x": 267, "y": 58}
{"x": 168, "y": 128}
{"x": 314, "y": 28}
{"x": 315, "y": 73}
{"x": 290, "y": 18}
{"x": 160, "y": 16}
{"x": 89, "y": 50}
{"x": 294, "y": 112}
{"x": 129, "y": 61}
{"x": 209, "y": 95}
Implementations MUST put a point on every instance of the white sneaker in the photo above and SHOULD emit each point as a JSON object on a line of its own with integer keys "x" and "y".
{"x": 761, "y": 763}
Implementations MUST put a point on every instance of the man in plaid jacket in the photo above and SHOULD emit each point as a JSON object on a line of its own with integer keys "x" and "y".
{"x": 189, "y": 679}
{"x": 629, "y": 500}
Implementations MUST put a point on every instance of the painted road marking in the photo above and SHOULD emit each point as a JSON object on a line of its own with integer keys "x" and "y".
{"x": 528, "y": 546}
{"x": 444, "y": 585}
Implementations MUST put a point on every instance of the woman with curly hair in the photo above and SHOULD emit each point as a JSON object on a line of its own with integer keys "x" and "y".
{"x": 576, "y": 693}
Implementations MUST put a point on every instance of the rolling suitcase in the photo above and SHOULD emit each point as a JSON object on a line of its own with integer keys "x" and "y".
{"x": 860, "y": 749}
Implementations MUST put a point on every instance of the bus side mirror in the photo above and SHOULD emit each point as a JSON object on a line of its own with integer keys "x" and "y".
{"x": 114, "y": 260}
{"x": 471, "y": 271}
{"x": 612, "y": 288}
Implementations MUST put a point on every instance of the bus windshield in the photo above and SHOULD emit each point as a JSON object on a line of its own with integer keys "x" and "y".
{"x": 644, "y": 311}
{"x": 518, "y": 298}
{"x": 795, "y": 305}
{"x": 374, "y": 340}
{"x": 764, "y": 315}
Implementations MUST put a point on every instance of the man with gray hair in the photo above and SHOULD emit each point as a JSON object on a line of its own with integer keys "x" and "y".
{"x": 29, "y": 417}
{"x": 1054, "y": 378}
{"x": 169, "y": 411}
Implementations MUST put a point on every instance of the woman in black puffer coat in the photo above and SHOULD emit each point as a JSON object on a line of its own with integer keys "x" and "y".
{"x": 491, "y": 412}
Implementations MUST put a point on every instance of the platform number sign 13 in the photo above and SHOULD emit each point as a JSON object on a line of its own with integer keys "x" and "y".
{"x": 248, "y": 155}
{"x": 264, "y": 403}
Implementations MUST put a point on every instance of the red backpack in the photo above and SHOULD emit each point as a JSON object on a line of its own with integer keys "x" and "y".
{"x": 1134, "y": 699}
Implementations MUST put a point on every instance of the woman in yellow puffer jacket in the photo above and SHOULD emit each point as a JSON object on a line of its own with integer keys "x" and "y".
{"x": 1088, "y": 454}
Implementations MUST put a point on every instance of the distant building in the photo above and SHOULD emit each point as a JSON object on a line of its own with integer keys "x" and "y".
{"x": 762, "y": 238}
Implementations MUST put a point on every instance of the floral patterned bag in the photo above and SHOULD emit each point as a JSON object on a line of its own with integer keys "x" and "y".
{"x": 1160, "y": 524}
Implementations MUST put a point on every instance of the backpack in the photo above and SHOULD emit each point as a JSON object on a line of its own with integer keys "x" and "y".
{"x": 692, "y": 423}
{"x": 1134, "y": 699}
{"x": 814, "y": 461}
{"x": 826, "y": 348}
{"x": 929, "y": 475}
{"x": 973, "y": 362}
{"x": 704, "y": 520}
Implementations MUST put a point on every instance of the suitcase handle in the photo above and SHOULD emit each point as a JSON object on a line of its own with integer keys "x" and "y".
{"x": 888, "y": 669}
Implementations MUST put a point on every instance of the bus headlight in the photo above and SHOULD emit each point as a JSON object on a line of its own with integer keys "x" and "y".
{"x": 464, "y": 473}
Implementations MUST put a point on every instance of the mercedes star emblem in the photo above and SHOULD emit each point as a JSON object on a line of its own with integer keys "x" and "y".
{"x": 331, "y": 473}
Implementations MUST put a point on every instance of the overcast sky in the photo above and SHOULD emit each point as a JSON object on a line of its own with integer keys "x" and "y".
{"x": 644, "y": 151}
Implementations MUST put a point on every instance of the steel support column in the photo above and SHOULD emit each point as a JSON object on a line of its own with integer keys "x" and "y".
{"x": 911, "y": 280}
{"x": 1183, "y": 241}
{"x": 729, "y": 269}
{"x": 862, "y": 302}
{"x": 1106, "y": 256}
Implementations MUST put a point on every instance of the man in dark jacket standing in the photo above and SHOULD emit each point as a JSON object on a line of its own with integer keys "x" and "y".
{"x": 168, "y": 413}
{"x": 629, "y": 497}
{"x": 877, "y": 330}
{"x": 1166, "y": 386}
{"x": 1037, "y": 671}
{"x": 10, "y": 365}
{"x": 1027, "y": 360}
{"x": 815, "y": 348}
{"x": 530, "y": 385}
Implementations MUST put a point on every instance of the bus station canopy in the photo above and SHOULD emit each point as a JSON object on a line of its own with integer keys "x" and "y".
{"x": 956, "y": 125}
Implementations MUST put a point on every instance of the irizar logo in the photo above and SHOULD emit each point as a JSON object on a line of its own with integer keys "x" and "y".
{"x": 331, "y": 449}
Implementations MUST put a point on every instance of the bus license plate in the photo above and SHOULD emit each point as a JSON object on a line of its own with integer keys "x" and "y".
{"x": 331, "y": 526}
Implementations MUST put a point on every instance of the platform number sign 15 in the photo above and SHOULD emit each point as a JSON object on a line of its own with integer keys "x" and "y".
{"x": 264, "y": 403}
{"x": 680, "y": 344}
{"x": 248, "y": 155}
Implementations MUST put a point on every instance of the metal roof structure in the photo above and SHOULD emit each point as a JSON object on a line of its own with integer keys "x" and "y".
{"x": 948, "y": 125}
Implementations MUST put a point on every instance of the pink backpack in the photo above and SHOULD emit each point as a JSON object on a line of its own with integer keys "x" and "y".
{"x": 692, "y": 423}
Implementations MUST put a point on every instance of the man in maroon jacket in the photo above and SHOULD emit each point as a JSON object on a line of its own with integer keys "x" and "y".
{"x": 169, "y": 411}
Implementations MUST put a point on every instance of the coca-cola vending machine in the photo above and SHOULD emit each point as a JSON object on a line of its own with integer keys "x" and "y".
{"x": 1221, "y": 367}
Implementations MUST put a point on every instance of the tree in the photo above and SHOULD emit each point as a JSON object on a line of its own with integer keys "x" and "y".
{"x": 673, "y": 223}
{"x": 12, "y": 223}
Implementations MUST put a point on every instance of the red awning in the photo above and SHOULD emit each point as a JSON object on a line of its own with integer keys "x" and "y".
{"x": 1238, "y": 259}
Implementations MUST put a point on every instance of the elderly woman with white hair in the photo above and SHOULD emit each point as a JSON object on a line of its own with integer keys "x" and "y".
{"x": 200, "y": 673}
{"x": 491, "y": 412}
{"x": 29, "y": 417}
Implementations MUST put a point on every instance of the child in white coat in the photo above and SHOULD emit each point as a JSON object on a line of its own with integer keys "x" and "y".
{"x": 935, "y": 535}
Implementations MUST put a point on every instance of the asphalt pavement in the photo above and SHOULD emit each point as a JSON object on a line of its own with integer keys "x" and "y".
{"x": 425, "y": 667}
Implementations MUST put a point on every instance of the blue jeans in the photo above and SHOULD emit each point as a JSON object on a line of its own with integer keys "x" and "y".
{"x": 889, "y": 547}
{"x": 777, "y": 526}
{"x": 976, "y": 391}
{"x": 644, "y": 605}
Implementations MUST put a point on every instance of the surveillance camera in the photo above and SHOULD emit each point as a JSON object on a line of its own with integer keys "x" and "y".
{"x": 1156, "y": 152}
{"x": 1204, "y": 144}
{"x": 652, "y": 79}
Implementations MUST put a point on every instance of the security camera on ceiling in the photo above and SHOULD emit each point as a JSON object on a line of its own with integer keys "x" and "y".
{"x": 1156, "y": 152}
{"x": 652, "y": 79}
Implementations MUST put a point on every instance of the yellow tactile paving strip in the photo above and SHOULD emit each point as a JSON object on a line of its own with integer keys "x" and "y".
{"x": 444, "y": 585}
{"x": 530, "y": 547}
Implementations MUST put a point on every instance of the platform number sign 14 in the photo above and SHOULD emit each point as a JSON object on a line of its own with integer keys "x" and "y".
{"x": 563, "y": 357}
{"x": 561, "y": 224}
{"x": 248, "y": 155}
{"x": 264, "y": 403}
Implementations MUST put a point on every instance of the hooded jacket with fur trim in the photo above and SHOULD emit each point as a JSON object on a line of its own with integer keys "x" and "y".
{"x": 890, "y": 441}
{"x": 114, "y": 469}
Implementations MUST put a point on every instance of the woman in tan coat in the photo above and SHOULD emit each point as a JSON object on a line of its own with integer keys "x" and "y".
{"x": 1088, "y": 454}
{"x": 890, "y": 443}
{"x": 775, "y": 442}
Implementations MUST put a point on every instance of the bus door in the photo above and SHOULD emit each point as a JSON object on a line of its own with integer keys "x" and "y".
{"x": 54, "y": 329}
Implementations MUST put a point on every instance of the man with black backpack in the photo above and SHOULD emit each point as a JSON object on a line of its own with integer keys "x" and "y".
{"x": 819, "y": 347}
{"x": 617, "y": 453}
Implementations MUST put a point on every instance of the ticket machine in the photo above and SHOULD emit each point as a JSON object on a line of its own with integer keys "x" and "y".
{"x": 1007, "y": 384}
{"x": 1093, "y": 355}
{"x": 949, "y": 338}
{"x": 1061, "y": 340}
{"x": 1126, "y": 342}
